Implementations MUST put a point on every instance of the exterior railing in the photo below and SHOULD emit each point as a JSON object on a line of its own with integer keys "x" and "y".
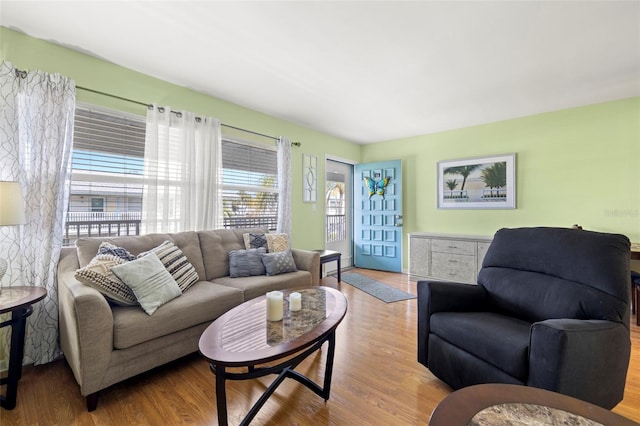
{"x": 267, "y": 222}
{"x": 336, "y": 227}
{"x": 114, "y": 224}
{"x": 100, "y": 224}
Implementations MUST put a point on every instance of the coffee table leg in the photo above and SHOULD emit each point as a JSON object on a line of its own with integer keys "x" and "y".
{"x": 326, "y": 389}
{"x": 221, "y": 395}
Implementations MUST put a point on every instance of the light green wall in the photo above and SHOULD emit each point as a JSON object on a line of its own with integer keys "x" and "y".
{"x": 576, "y": 166}
{"x": 29, "y": 53}
{"x": 580, "y": 165}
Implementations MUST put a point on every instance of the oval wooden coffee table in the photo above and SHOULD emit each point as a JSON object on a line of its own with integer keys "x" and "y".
{"x": 244, "y": 338}
{"x": 497, "y": 403}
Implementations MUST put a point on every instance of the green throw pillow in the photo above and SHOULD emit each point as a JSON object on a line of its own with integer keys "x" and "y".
{"x": 152, "y": 284}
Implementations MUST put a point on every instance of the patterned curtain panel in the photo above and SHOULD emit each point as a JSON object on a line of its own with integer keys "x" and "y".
{"x": 36, "y": 133}
{"x": 284, "y": 185}
{"x": 182, "y": 172}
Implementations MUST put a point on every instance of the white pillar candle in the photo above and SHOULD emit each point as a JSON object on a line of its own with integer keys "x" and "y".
{"x": 274, "y": 306}
{"x": 295, "y": 301}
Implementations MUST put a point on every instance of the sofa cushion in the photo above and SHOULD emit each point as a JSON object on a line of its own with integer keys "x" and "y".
{"x": 246, "y": 263}
{"x": 98, "y": 275}
{"x": 177, "y": 264}
{"x": 216, "y": 245}
{"x": 279, "y": 262}
{"x": 254, "y": 241}
{"x": 259, "y": 285}
{"x": 495, "y": 338}
{"x": 150, "y": 281}
{"x": 187, "y": 241}
{"x": 203, "y": 303}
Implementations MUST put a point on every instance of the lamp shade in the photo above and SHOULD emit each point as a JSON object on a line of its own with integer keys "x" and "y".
{"x": 11, "y": 204}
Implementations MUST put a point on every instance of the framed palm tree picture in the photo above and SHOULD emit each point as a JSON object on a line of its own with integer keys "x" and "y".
{"x": 477, "y": 183}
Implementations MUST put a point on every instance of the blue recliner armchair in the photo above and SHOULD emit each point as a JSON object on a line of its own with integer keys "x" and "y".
{"x": 551, "y": 310}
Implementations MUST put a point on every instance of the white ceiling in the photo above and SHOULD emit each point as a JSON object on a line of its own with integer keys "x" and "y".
{"x": 363, "y": 71}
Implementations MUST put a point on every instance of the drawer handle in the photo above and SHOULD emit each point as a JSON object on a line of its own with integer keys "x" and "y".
{"x": 453, "y": 246}
{"x": 453, "y": 261}
{"x": 453, "y": 274}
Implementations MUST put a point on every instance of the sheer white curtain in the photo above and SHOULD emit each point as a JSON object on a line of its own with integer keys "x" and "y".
{"x": 284, "y": 185}
{"x": 182, "y": 172}
{"x": 36, "y": 137}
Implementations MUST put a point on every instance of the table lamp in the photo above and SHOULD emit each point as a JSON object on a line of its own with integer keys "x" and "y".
{"x": 11, "y": 212}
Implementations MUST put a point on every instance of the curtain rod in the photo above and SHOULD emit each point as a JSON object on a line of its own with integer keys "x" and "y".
{"x": 175, "y": 112}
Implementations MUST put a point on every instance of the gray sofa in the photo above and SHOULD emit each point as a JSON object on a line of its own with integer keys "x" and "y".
{"x": 105, "y": 344}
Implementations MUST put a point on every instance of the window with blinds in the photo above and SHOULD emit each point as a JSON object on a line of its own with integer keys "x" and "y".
{"x": 106, "y": 177}
{"x": 249, "y": 185}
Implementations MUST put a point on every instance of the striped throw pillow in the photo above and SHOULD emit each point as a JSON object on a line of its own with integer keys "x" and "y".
{"x": 176, "y": 263}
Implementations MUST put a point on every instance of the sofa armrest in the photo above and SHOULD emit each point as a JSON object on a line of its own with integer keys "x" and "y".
{"x": 86, "y": 326}
{"x": 578, "y": 357}
{"x": 307, "y": 260}
{"x": 439, "y": 296}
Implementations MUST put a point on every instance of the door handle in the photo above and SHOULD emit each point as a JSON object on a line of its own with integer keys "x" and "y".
{"x": 397, "y": 220}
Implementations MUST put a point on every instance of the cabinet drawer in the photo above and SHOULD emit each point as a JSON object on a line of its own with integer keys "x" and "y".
{"x": 454, "y": 246}
{"x": 454, "y": 267}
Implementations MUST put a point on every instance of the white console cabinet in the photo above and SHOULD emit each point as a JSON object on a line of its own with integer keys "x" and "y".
{"x": 446, "y": 257}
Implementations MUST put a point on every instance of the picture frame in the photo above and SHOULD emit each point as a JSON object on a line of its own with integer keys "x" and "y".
{"x": 478, "y": 183}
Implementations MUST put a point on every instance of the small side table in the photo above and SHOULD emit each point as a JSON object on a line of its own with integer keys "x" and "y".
{"x": 18, "y": 301}
{"x": 329, "y": 256}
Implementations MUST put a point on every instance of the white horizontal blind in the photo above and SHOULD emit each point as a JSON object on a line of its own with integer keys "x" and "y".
{"x": 249, "y": 185}
{"x": 107, "y": 172}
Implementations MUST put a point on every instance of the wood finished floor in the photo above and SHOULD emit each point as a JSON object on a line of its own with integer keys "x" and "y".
{"x": 376, "y": 381}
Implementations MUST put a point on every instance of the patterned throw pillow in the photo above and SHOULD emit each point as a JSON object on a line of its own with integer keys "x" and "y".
{"x": 277, "y": 242}
{"x": 108, "y": 248}
{"x": 246, "y": 263}
{"x": 149, "y": 280}
{"x": 98, "y": 275}
{"x": 279, "y": 262}
{"x": 254, "y": 241}
{"x": 176, "y": 264}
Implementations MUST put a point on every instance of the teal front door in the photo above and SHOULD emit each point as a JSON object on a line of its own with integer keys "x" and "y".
{"x": 378, "y": 215}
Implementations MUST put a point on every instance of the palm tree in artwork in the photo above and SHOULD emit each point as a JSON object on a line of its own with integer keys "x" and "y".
{"x": 495, "y": 176}
{"x": 464, "y": 171}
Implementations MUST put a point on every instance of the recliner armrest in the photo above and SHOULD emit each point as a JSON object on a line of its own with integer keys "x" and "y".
{"x": 576, "y": 358}
{"x": 440, "y": 296}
